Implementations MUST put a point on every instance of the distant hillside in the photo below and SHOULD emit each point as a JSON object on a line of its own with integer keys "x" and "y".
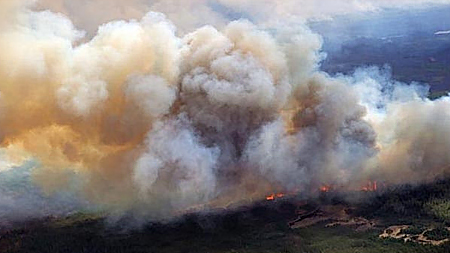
{"x": 422, "y": 58}
{"x": 415, "y": 51}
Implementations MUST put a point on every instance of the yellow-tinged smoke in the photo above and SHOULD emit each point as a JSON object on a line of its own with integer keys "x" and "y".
{"x": 158, "y": 123}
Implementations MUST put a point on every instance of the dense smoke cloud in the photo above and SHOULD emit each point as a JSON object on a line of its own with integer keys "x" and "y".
{"x": 142, "y": 118}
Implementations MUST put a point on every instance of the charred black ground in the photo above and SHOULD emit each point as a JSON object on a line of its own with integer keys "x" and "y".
{"x": 262, "y": 227}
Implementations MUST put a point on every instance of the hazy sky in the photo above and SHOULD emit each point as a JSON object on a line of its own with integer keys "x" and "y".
{"x": 190, "y": 14}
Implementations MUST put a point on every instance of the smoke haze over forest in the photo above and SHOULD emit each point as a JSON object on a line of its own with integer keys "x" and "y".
{"x": 162, "y": 107}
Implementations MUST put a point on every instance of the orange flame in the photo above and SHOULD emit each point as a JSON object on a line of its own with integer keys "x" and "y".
{"x": 370, "y": 187}
{"x": 325, "y": 188}
{"x": 274, "y": 196}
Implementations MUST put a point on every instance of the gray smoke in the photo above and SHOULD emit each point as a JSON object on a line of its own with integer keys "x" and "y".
{"x": 159, "y": 122}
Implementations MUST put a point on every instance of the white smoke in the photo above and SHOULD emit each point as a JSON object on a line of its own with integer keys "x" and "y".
{"x": 176, "y": 171}
{"x": 159, "y": 122}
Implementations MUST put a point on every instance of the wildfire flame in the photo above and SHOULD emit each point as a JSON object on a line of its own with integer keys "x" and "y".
{"x": 370, "y": 187}
{"x": 325, "y": 188}
{"x": 274, "y": 196}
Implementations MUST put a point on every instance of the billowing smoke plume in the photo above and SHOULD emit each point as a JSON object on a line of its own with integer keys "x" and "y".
{"x": 141, "y": 118}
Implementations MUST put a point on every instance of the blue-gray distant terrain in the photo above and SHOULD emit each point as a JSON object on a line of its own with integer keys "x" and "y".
{"x": 415, "y": 50}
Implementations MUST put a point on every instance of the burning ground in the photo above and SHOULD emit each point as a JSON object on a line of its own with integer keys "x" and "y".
{"x": 340, "y": 225}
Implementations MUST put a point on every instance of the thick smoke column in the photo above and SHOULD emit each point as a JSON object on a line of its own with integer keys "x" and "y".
{"x": 141, "y": 118}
